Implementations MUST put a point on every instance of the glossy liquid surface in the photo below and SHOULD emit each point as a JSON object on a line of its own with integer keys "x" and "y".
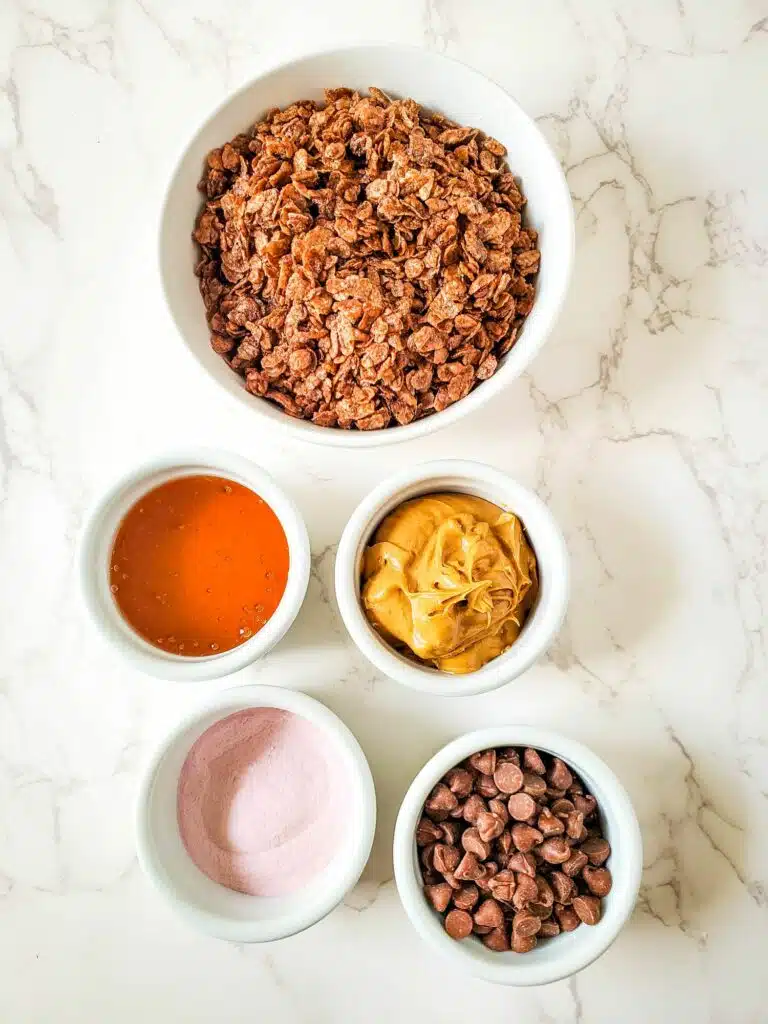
{"x": 199, "y": 565}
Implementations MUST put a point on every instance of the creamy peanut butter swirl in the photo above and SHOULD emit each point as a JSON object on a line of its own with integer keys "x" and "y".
{"x": 450, "y": 578}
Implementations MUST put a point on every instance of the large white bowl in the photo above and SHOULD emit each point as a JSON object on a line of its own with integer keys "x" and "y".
{"x": 544, "y": 619}
{"x": 437, "y": 82}
{"x": 98, "y": 537}
{"x": 211, "y": 907}
{"x": 567, "y": 953}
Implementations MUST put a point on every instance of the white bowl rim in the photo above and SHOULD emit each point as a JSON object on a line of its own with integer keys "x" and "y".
{"x": 583, "y": 760}
{"x": 548, "y": 543}
{"x": 107, "y": 617}
{"x": 229, "y": 701}
{"x": 508, "y": 369}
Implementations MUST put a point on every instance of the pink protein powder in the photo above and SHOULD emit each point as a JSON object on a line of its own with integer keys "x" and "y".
{"x": 260, "y": 802}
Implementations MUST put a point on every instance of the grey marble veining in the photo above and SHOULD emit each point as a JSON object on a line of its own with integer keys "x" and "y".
{"x": 643, "y": 423}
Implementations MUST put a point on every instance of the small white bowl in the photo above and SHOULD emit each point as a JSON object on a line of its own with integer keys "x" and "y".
{"x": 544, "y": 619}
{"x": 567, "y": 953}
{"x": 204, "y": 903}
{"x": 98, "y": 538}
{"x": 435, "y": 81}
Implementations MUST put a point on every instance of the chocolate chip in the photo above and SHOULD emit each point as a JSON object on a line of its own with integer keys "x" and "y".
{"x": 563, "y": 887}
{"x": 440, "y": 802}
{"x": 503, "y": 885}
{"x": 489, "y": 914}
{"x": 458, "y": 924}
{"x": 499, "y": 808}
{"x": 523, "y": 944}
{"x": 541, "y": 910}
{"x": 489, "y": 826}
{"x": 586, "y": 804}
{"x": 488, "y": 870}
{"x": 587, "y": 908}
{"x": 549, "y": 825}
{"x": 558, "y": 776}
{"x": 575, "y": 863}
{"x": 581, "y": 837}
{"x": 445, "y": 858}
{"x": 427, "y": 832}
{"x": 460, "y": 782}
{"x": 562, "y": 808}
{"x": 534, "y": 785}
{"x": 472, "y": 843}
{"x": 508, "y": 754}
{"x": 451, "y": 832}
{"x": 525, "y": 863}
{"x": 486, "y": 786}
{"x": 497, "y": 940}
{"x": 466, "y": 897}
{"x": 508, "y": 777}
{"x": 597, "y": 850}
{"x": 598, "y": 880}
{"x": 567, "y": 918}
{"x": 427, "y": 857}
{"x": 484, "y": 762}
{"x": 546, "y": 896}
{"x": 533, "y": 762}
{"x": 525, "y": 924}
{"x": 525, "y": 838}
{"x": 555, "y": 850}
{"x": 439, "y": 895}
{"x": 555, "y": 794}
{"x": 526, "y": 892}
{"x": 521, "y": 807}
{"x": 469, "y": 868}
{"x": 474, "y": 806}
{"x": 503, "y": 847}
{"x": 549, "y": 929}
{"x": 574, "y": 824}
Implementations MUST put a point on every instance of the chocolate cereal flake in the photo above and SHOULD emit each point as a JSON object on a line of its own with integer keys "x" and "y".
{"x": 364, "y": 263}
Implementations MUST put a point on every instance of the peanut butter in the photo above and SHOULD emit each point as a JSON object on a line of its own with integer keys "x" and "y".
{"x": 450, "y": 578}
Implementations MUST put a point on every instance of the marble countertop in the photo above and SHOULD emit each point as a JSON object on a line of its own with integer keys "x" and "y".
{"x": 642, "y": 423}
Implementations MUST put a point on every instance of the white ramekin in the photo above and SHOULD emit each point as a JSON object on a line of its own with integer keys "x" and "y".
{"x": 212, "y": 907}
{"x": 435, "y": 81}
{"x": 567, "y": 953}
{"x": 543, "y": 621}
{"x": 96, "y": 546}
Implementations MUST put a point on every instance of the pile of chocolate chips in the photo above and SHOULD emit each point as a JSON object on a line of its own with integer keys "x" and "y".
{"x": 511, "y": 849}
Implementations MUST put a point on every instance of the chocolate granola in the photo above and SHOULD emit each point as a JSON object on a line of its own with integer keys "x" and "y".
{"x": 363, "y": 263}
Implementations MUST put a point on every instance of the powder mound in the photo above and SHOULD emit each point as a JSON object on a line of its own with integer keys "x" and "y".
{"x": 259, "y": 802}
